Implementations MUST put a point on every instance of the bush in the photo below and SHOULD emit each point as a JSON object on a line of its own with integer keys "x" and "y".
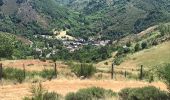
{"x": 119, "y": 59}
{"x": 40, "y": 94}
{"x": 93, "y": 93}
{"x": 18, "y": 74}
{"x": 166, "y": 75}
{"x": 137, "y": 47}
{"x": 71, "y": 96}
{"x": 144, "y": 45}
{"x": 129, "y": 44}
{"x": 86, "y": 70}
{"x": 51, "y": 96}
{"x": 48, "y": 74}
{"x": 106, "y": 63}
{"x": 145, "y": 93}
{"x": 14, "y": 74}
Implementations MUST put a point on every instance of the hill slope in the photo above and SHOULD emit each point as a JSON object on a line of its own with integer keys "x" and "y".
{"x": 30, "y": 17}
{"x": 126, "y": 16}
{"x": 150, "y": 57}
{"x": 84, "y": 18}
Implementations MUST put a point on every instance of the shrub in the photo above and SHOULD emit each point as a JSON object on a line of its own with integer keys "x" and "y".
{"x": 14, "y": 74}
{"x": 155, "y": 42}
{"x": 119, "y": 59}
{"x": 51, "y": 96}
{"x": 137, "y": 47}
{"x": 93, "y": 93}
{"x": 166, "y": 75}
{"x": 48, "y": 74}
{"x": 129, "y": 44}
{"x": 145, "y": 93}
{"x": 144, "y": 45}
{"x": 106, "y": 63}
{"x": 18, "y": 74}
{"x": 71, "y": 96}
{"x": 86, "y": 70}
{"x": 40, "y": 94}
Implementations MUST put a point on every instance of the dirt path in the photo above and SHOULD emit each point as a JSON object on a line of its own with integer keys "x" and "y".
{"x": 17, "y": 92}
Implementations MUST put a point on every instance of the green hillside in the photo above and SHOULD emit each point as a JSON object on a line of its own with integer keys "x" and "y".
{"x": 126, "y": 16}
{"x": 30, "y": 17}
{"x": 84, "y": 18}
{"x": 151, "y": 57}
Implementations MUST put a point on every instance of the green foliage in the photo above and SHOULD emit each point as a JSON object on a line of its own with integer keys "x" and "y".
{"x": 145, "y": 93}
{"x": 51, "y": 96}
{"x": 86, "y": 54}
{"x": 106, "y": 63}
{"x": 86, "y": 70}
{"x": 39, "y": 93}
{"x": 164, "y": 29}
{"x": 48, "y": 74}
{"x": 129, "y": 44}
{"x": 20, "y": 1}
{"x": 119, "y": 59}
{"x": 166, "y": 75}
{"x": 6, "y": 46}
{"x": 19, "y": 76}
{"x": 144, "y": 45}
{"x": 137, "y": 47}
{"x": 1, "y": 2}
{"x": 92, "y": 93}
{"x": 13, "y": 74}
{"x": 10, "y": 47}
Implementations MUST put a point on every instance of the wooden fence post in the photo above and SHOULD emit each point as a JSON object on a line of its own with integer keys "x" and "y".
{"x": 24, "y": 71}
{"x": 112, "y": 71}
{"x": 141, "y": 73}
{"x": 55, "y": 69}
{"x": 1, "y": 71}
{"x": 125, "y": 73}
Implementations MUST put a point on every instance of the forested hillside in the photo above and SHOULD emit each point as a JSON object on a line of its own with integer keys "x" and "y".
{"x": 118, "y": 17}
{"x": 106, "y": 19}
{"x": 28, "y": 17}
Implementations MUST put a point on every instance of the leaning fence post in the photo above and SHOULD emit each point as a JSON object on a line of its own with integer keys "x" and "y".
{"x": 0, "y": 71}
{"x": 55, "y": 69}
{"x": 141, "y": 73}
{"x": 112, "y": 71}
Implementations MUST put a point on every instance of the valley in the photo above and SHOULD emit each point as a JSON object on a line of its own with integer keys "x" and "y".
{"x": 84, "y": 49}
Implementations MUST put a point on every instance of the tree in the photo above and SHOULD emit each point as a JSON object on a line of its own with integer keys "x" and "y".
{"x": 1, "y": 2}
{"x": 20, "y": 1}
{"x": 6, "y": 46}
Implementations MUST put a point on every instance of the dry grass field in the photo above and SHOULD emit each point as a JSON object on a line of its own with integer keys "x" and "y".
{"x": 17, "y": 92}
{"x": 31, "y": 65}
